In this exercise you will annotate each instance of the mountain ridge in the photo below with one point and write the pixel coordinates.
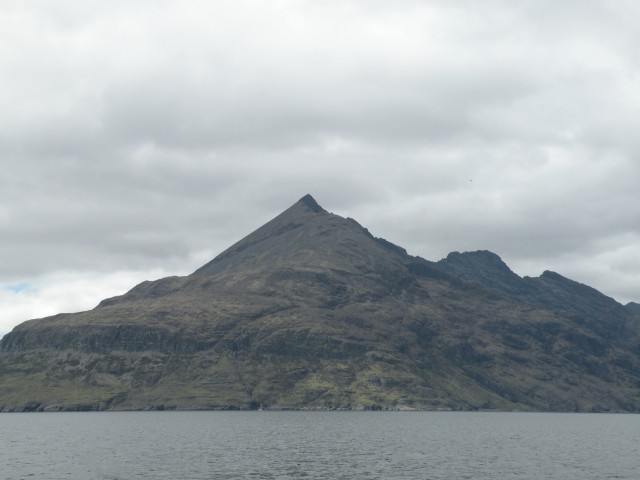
(312, 311)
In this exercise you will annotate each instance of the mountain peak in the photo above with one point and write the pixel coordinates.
(305, 237)
(311, 203)
(633, 308)
(483, 267)
(479, 259)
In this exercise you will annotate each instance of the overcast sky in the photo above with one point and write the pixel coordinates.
(138, 139)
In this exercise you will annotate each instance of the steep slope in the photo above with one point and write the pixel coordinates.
(312, 311)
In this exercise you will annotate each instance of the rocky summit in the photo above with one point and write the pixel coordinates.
(311, 311)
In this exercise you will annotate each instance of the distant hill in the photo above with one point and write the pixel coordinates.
(312, 311)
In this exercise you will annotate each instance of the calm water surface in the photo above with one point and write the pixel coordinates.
(319, 445)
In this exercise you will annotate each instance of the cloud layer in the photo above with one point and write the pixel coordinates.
(145, 137)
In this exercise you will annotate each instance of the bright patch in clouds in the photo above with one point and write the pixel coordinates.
(63, 292)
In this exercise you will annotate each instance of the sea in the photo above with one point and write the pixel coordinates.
(319, 445)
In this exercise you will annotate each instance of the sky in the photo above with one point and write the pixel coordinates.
(139, 139)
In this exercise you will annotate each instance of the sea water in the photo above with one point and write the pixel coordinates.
(319, 445)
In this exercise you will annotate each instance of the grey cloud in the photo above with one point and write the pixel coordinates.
(135, 137)
(379, 107)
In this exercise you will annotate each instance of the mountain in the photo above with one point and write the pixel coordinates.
(312, 311)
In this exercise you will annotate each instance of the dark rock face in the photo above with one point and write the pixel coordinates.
(485, 268)
(312, 311)
(633, 308)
